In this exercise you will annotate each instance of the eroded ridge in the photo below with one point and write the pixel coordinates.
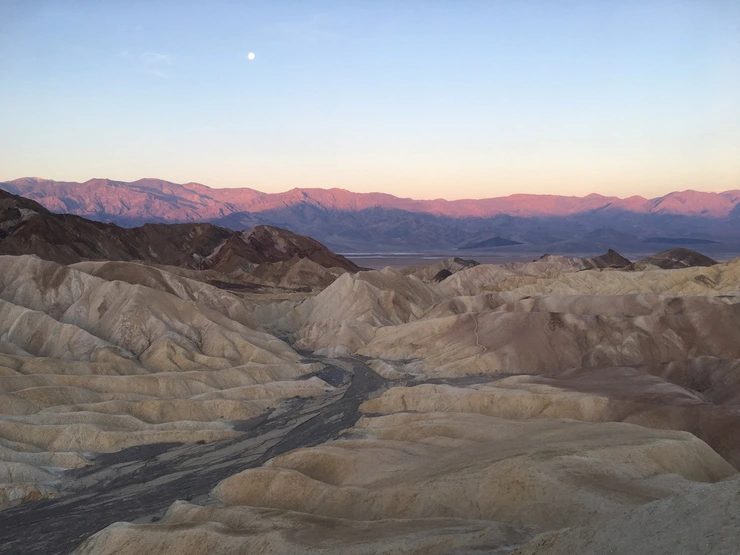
(558, 405)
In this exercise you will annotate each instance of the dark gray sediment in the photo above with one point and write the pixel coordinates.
(140, 483)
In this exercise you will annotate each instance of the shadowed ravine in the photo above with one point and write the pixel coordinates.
(141, 482)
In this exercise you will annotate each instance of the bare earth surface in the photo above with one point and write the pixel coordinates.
(561, 405)
(141, 482)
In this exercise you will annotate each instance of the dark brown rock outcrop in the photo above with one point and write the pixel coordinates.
(674, 259)
(28, 228)
(610, 259)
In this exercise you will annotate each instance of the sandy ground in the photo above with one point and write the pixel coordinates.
(140, 483)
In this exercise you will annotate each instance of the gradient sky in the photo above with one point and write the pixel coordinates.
(455, 99)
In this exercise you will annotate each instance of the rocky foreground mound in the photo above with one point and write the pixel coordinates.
(89, 364)
(536, 407)
(562, 405)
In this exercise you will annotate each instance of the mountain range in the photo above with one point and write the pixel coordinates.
(188, 388)
(357, 222)
(261, 256)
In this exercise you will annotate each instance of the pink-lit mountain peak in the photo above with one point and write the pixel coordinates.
(692, 202)
(157, 199)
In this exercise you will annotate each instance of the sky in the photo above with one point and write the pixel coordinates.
(424, 99)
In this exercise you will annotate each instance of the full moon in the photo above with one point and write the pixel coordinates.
(250, 55)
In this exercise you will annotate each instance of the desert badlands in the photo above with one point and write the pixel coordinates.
(214, 392)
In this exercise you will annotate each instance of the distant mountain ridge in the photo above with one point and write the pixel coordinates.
(359, 221)
(150, 199)
(28, 228)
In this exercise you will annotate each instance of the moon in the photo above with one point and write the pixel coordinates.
(250, 56)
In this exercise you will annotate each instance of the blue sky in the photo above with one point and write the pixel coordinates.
(456, 99)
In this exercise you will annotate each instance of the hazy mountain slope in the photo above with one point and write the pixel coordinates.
(145, 200)
(29, 229)
(557, 403)
(375, 221)
(172, 201)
